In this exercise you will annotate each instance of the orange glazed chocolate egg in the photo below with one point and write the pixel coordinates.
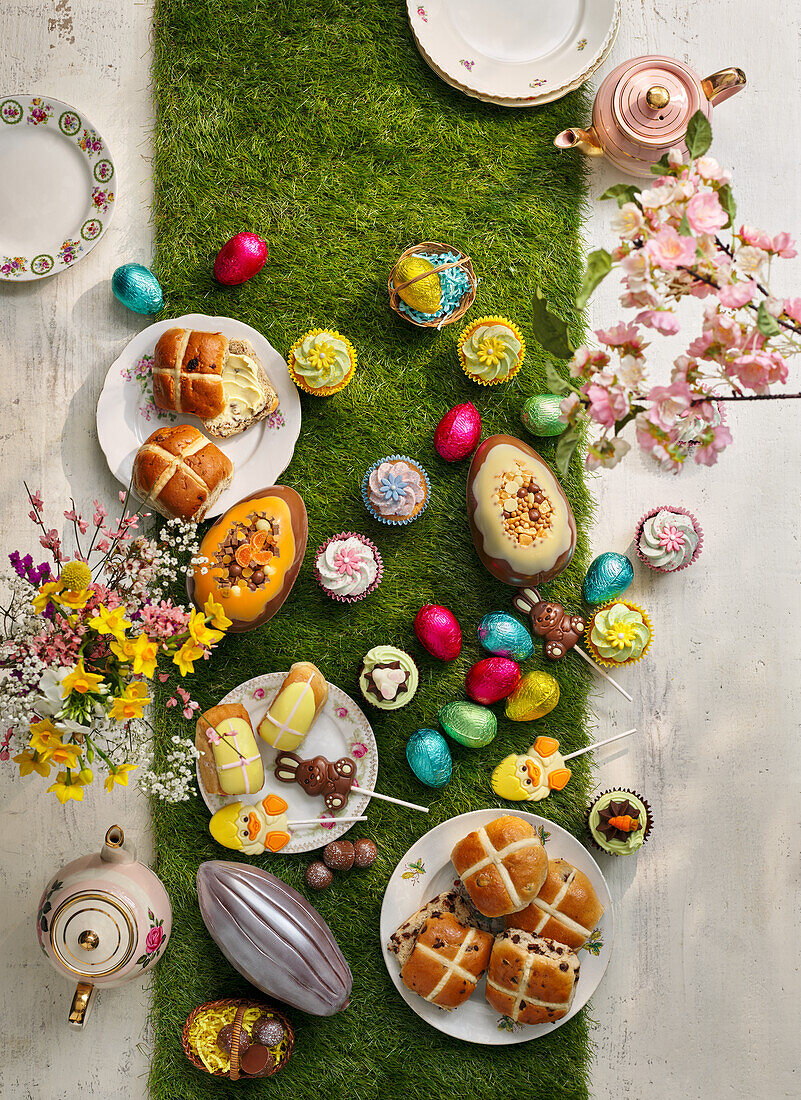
(250, 558)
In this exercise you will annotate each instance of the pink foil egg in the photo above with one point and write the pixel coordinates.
(458, 432)
(492, 679)
(439, 631)
(240, 259)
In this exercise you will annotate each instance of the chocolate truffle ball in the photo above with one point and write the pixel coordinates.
(318, 876)
(365, 852)
(226, 1037)
(268, 1031)
(339, 855)
(257, 1061)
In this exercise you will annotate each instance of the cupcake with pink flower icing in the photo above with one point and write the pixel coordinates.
(395, 490)
(348, 567)
(669, 539)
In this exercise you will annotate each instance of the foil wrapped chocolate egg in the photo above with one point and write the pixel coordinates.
(535, 696)
(541, 415)
(438, 630)
(492, 679)
(458, 432)
(240, 259)
(468, 723)
(608, 576)
(430, 758)
(137, 288)
(505, 636)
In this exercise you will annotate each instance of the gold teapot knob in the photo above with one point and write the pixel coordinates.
(657, 97)
(88, 940)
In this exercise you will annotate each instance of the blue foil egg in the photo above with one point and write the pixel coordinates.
(430, 758)
(609, 575)
(137, 288)
(505, 636)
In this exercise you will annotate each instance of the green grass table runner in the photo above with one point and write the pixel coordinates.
(317, 124)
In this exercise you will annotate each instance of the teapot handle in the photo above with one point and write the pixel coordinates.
(81, 1006)
(722, 85)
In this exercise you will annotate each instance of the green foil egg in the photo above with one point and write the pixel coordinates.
(541, 414)
(468, 723)
(430, 758)
(609, 575)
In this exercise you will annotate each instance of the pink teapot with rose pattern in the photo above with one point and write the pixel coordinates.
(103, 919)
(642, 109)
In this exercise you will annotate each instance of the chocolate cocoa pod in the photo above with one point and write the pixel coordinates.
(273, 937)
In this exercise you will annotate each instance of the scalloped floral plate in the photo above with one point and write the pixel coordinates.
(126, 414)
(514, 52)
(426, 870)
(58, 187)
(341, 730)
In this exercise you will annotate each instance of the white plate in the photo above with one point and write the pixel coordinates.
(341, 730)
(530, 101)
(57, 187)
(529, 51)
(126, 415)
(426, 870)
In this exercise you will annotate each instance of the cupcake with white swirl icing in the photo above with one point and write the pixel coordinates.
(668, 539)
(348, 567)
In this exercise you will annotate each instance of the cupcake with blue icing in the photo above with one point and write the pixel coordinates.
(668, 539)
(491, 350)
(395, 490)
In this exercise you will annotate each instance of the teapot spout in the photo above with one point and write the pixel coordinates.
(586, 141)
(114, 849)
(722, 85)
(81, 1004)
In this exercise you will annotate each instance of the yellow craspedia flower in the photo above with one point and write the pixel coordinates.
(76, 576)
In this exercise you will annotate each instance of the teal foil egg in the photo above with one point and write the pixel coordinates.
(609, 575)
(505, 636)
(541, 415)
(430, 758)
(137, 288)
(468, 723)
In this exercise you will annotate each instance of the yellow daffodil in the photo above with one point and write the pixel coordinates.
(74, 600)
(80, 680)
(29, 761)
(216, 612)
(63, 754)
(131, 703)
(47, 744)
(46, 594)
(118, 774)
(122, 649)
(69, 785)
(144, 652)
(199, 632)
(187, 655)
(110, 622)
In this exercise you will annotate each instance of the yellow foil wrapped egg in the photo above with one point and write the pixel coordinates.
(535, 696)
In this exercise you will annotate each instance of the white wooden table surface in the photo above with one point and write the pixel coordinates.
(702, 995)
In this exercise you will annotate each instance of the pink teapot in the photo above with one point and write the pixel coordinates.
(103, 919)
(642, 109)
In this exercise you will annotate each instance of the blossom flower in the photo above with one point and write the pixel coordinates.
(661, 195)
(709, 169)
(663, 320)
(607, 453)
(736, 295)
(705, 214)
(606, 405)
(784, 245)
(570, 407)
(619, 335)
(706, 454)
(792, 307)
(628, 222)
(759, 370)
(750, 259)
(668, 403)
(668, 250)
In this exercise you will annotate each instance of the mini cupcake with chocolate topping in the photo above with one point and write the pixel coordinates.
(388, 677)
(348, 567)
(668, 539)
(619, 822)
(395, 490)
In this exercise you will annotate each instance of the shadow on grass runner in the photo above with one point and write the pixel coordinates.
(318, 125)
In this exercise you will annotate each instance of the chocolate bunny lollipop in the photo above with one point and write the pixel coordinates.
(318, 776)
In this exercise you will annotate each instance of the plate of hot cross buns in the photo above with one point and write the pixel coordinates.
(199, 411)
(506, 927)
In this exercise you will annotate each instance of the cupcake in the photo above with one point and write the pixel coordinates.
(668, 539)
(348, 567)
(322, 362)
(491, 350)
(619, 633)
(388, 677)
(619, 822)
(396, 490)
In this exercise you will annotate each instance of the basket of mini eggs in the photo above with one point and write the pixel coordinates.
(238, 1039)
(432, 285)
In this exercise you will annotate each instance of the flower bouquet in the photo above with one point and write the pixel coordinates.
(81, 640)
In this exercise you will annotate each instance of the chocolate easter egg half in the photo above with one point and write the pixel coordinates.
(521, 521)
(251, 556)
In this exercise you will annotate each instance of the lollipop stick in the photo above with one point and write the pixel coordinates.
(386, 798)
(597, 744)
(601, 672)
(324, 821)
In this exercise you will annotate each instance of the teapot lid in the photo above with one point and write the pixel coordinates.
(654, 99)
(93, 934)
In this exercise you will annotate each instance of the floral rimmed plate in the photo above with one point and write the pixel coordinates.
(58, 187)
(341, 730)
(126, 415)
(426, 870)
(517, 53)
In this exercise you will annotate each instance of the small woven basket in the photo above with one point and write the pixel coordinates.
(434, 248)
(241, 1005)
